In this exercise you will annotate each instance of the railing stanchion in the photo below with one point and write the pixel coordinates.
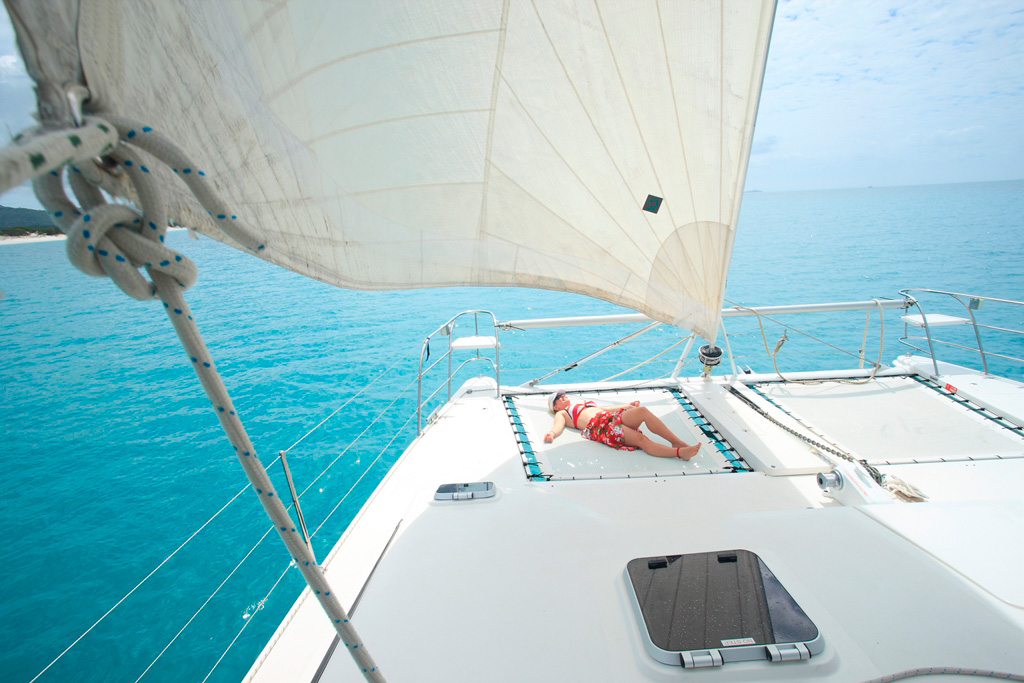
(295, 502)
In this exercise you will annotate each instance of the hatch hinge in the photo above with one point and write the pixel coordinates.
(699, 659)
(787, 653)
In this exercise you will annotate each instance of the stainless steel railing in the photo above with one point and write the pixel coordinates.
(475, 342)
(930, 321)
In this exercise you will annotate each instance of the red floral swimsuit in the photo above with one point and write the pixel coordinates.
(605, 427)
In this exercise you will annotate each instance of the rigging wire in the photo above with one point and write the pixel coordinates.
(271, 528)
(215, 515)
(649, 360)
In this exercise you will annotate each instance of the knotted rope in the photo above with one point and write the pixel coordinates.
(116, 240)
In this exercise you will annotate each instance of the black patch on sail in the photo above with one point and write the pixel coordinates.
(652, 204)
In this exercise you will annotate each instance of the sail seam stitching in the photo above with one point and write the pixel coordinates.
(590, 118)
(597, 200)
(632, 109)
(693, 269)
(675, 111)
(562, 256)
(411, 117)
(355, 55)
(498, 64)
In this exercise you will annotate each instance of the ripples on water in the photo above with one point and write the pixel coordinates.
(113, 457)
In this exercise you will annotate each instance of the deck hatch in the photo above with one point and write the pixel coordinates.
(716, 607)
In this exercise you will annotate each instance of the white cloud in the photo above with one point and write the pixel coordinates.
(903, 89)
(11, 68)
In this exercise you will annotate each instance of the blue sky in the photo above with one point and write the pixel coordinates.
(868, 92)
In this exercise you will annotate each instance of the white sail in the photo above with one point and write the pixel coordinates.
(404, 144)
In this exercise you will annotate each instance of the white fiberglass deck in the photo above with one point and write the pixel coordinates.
(530, 585)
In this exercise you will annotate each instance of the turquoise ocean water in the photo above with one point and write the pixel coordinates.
(111, 457)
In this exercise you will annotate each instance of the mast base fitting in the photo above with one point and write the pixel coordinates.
(710, 355)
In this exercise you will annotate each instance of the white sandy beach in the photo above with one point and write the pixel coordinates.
(28, 239)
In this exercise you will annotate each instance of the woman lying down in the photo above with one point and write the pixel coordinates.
(616, 426)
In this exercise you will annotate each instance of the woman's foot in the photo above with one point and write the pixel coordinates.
(687, 452)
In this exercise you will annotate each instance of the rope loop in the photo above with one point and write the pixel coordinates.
(159, 146)
(105, 240)
(35, 152)
(115, 240)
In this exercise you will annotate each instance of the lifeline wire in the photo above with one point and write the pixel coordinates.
(263, 538)
(274, 587)
(774, 354)
(342, 407)
(139, 584)
(365, 472)
(351, 443)
(203, 606)
(245, 625)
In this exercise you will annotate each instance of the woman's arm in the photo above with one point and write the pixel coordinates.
(557, 428)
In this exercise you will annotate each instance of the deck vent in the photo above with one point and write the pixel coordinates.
(476, 489)
(709, 609)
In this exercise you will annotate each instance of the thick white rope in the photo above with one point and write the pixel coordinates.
(115, 240)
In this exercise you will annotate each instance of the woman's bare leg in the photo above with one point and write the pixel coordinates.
(637, 440)
(634, 417)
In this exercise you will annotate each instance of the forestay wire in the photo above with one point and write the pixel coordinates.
(116, 240)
